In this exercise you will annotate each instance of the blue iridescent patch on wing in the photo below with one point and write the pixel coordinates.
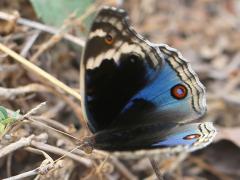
(158, 92)
(176, 139)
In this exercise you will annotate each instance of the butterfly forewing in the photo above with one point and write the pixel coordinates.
(116, 64)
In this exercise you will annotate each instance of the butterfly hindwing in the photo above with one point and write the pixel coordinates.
(159, 101)
(188, 137)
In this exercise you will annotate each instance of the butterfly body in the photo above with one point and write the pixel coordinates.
(136, 94)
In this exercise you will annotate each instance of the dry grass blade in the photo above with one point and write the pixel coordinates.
(30, 66)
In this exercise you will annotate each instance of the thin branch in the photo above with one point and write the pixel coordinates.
(44, 168)
(34, 110)
(23, 142)
(123, 169)
(9, 164)
(39, 123)
(53, 123)
(42, 27)
(43, 74)
(23, 175)
(156, 169)
(57, 37)
(55, 150)
(30, 41)
(12, 93)
(38, 151)
(8, 68)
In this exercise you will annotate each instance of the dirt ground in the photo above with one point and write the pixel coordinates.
(206, 32)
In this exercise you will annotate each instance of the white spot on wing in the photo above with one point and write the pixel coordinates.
(119, 26)
(118, 43)
(125, 48)
(98, 60)
(109, 54)
(90, 63)
(112, 21)
(97, 33)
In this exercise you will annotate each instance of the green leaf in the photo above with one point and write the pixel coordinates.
(5, 120)
(2, 128)
(3, 113)
(16, 114)
(54, 12)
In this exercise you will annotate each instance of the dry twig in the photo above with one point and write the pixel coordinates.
(54, 81)
(43, 27)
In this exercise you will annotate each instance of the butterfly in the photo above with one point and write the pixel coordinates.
(138, 95)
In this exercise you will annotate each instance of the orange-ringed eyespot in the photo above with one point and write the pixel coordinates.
(179, 91)
(108, 39)
(192, 136)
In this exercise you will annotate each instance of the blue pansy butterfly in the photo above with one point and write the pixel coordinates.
(138, 95)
